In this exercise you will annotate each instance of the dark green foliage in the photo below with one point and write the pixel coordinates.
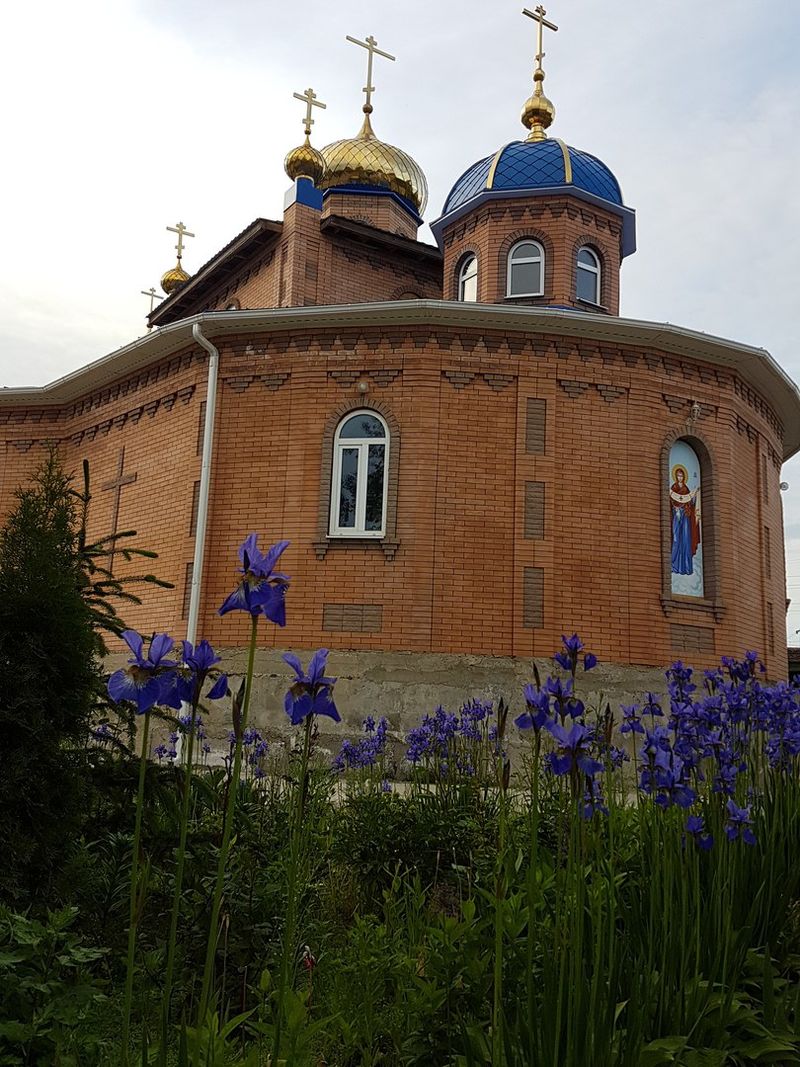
(47, 992)
(49, 677)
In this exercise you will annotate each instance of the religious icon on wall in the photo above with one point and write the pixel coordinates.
(685, 520)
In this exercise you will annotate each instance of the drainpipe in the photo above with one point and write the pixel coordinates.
(205, 482)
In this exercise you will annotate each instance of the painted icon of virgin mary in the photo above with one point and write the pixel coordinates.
(685, 522)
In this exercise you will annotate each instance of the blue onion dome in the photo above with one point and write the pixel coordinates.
(538, 166)
(524, 165)
(535, 168)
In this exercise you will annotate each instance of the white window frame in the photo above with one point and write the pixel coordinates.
(471, 262)
(595, 270)
(362, 444)
(512, 261)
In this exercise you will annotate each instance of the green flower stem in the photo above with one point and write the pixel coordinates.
(533, 870)
(132, 923)
(292, 904)
(176, 900)
(227, 831)
(498, 1057)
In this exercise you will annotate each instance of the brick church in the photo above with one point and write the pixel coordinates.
(469, 450)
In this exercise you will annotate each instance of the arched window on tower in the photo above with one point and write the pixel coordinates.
(526, 269)
(359, 482)
(588, 276)
(468, 279)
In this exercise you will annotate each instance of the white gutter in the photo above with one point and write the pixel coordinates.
(205, 482)
(755, 365)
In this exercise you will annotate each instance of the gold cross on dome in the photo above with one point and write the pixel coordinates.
(371, 46)
(310, 98)
(182, 232)
(538, 16)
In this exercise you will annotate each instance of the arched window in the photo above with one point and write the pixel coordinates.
(468, 279)
(686, 535)
(526, 269)
(588, 281)
(359, 483)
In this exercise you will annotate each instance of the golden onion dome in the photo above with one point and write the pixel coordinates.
(305, 161)
(174, 279)
(364, 160)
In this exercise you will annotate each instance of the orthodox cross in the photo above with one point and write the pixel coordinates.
(117, 484)
(182, 232)
(151, 292)
(538, 16)
(310, 98)
(371, 46)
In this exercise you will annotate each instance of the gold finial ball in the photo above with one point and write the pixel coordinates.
(538, 111)
(174, 279)
(305, 161)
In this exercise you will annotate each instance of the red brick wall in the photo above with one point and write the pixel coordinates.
(457, 582)
(308, 266)
(561, 224)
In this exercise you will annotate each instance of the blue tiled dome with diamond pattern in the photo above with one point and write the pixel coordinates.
(535, 165)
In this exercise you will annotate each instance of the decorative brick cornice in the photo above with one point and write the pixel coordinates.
(498, 382)
(573, 388)
(275, 380)
(459, 379)
(676, 404)
(610, 393)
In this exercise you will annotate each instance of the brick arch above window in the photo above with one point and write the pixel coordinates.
(389, 542)
(526, 233)
(711, 604)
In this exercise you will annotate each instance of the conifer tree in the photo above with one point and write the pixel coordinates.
(49, 676)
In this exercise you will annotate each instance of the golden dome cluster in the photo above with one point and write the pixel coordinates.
(363, 160)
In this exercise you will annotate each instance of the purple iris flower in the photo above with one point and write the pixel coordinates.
(631, 722)
(262, 590)
(185, 685)
(538, 713)
(311, 694)
(568, 657)
(695, 825)
(147, 678)
(739, 824)
(573, 754)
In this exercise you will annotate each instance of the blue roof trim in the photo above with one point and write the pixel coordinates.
(308, 194)
(626, 214)
(376, 190)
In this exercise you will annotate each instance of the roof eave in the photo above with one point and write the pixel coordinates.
(755, 365)
(626, 214)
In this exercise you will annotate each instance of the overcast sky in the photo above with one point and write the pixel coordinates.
(122, 116)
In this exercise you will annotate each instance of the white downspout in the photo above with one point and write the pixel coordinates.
(202, 501)
(205, 483)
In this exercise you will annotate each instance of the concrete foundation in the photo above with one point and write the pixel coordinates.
(404, 686)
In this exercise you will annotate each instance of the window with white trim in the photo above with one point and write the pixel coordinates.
(588, 276)
(468, 279)
(525, 269)
(359, 477)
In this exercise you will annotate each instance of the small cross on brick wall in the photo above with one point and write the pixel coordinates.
(117, 484)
